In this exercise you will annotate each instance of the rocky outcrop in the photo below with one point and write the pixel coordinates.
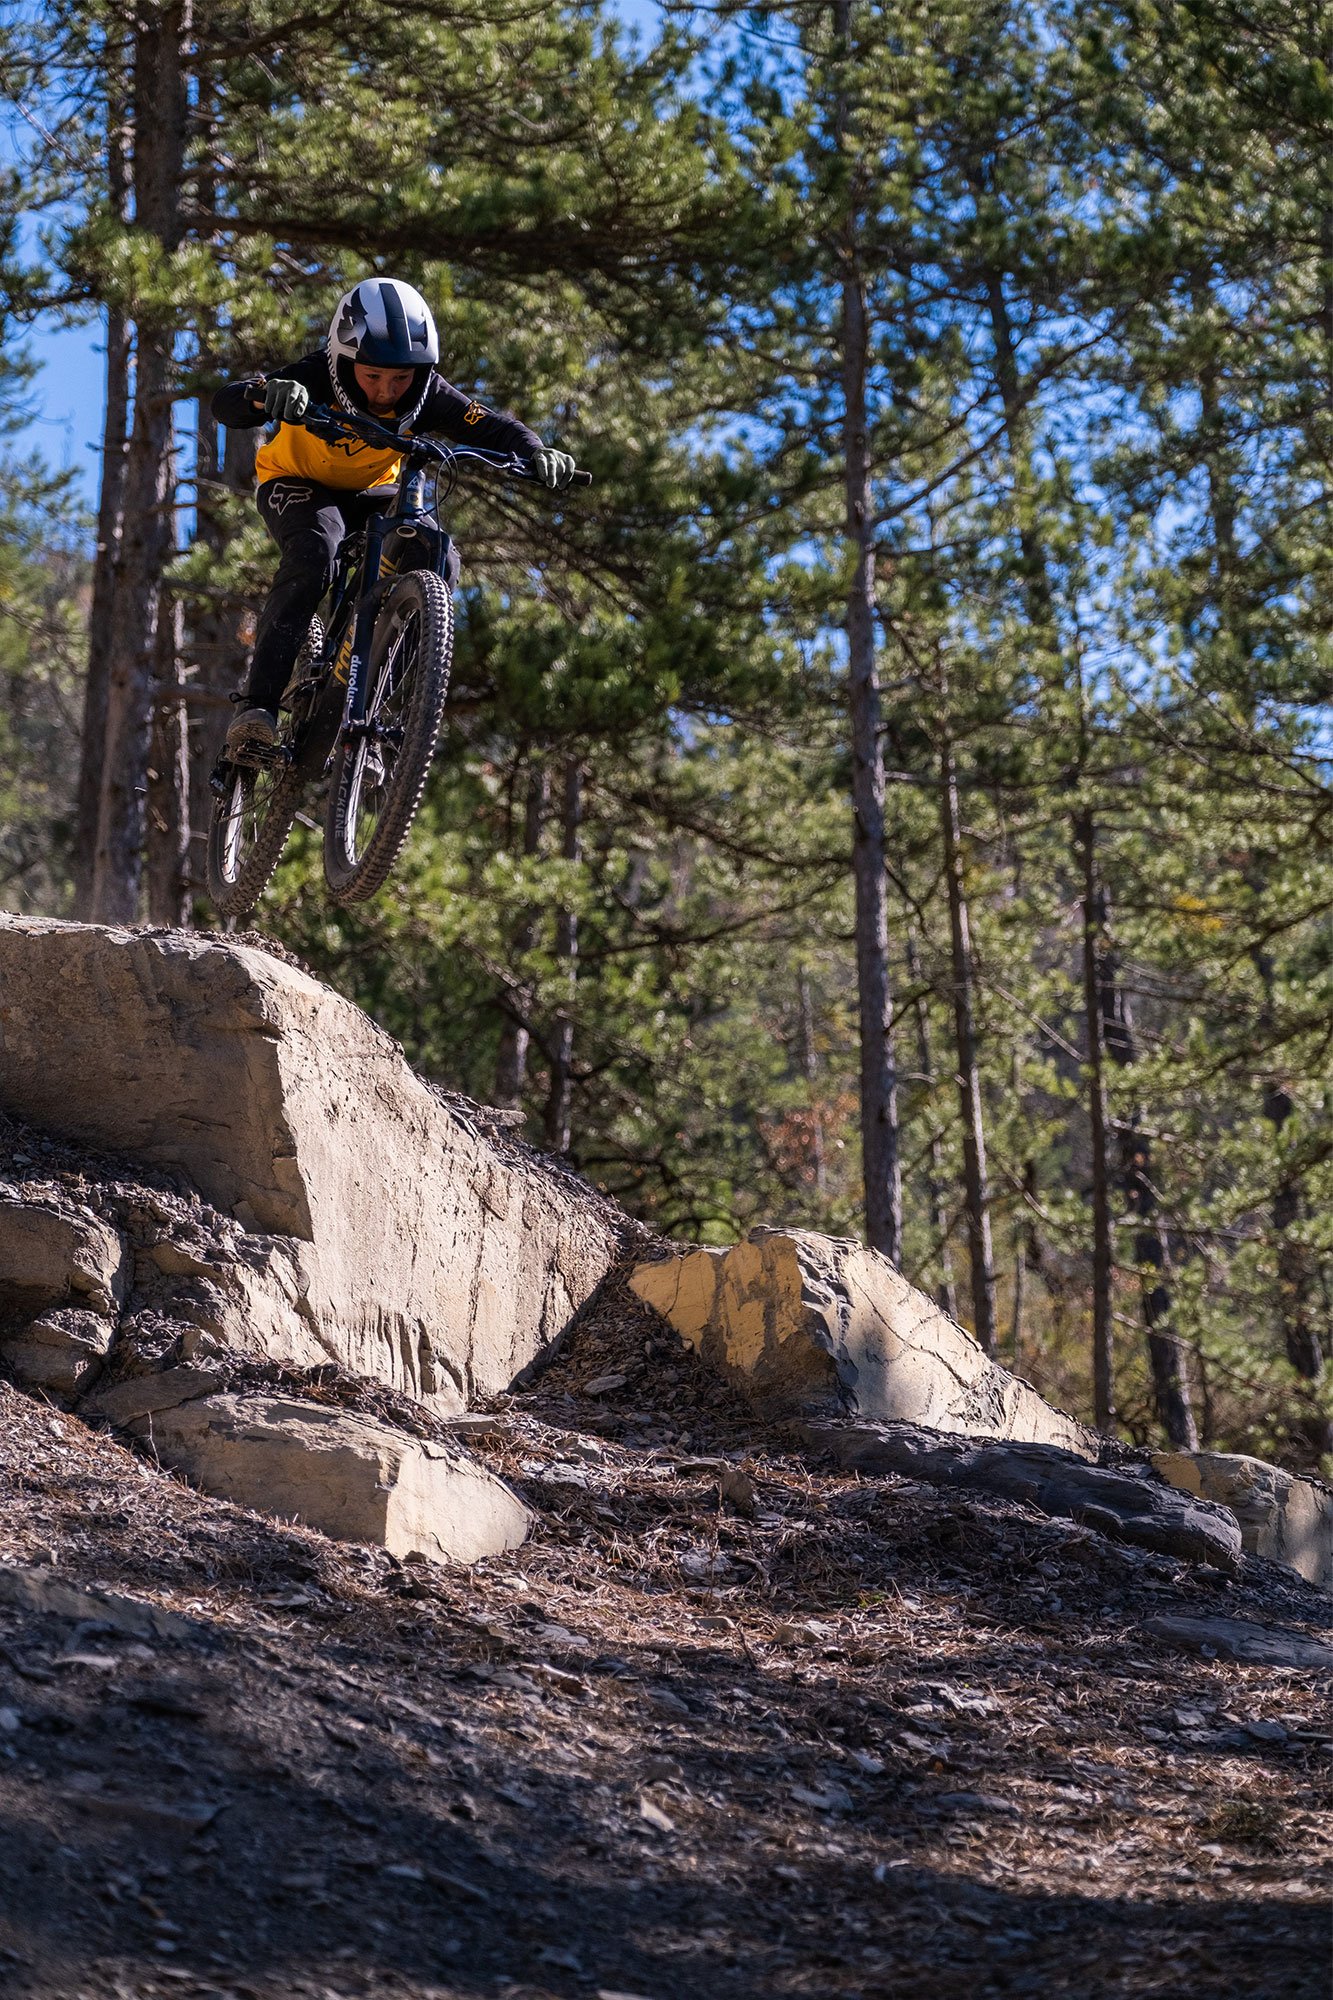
(62, 1351)
(54, 1253)
(354, 1478)
(1284, 1518)
(1238, 1639)
(813, 1326)
(55, 1596)
(379, 1226)
(64, 1274)
(1127, 1504)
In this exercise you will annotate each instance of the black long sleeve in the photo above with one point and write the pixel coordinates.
(446, 411)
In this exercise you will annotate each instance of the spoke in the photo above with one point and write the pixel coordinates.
(376, 752)
(247, 807)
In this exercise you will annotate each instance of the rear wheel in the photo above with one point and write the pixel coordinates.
(254, 815)
(379, 772)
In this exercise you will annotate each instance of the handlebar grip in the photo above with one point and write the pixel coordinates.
(580, 479)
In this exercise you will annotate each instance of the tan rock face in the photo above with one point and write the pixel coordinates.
(63, 1351)
(1284, 1518)
(249, 1292)
(413, 1251)
(52, 1253)
(816, 1326)
(355, 1479)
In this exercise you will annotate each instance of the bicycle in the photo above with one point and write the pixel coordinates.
(365, 702)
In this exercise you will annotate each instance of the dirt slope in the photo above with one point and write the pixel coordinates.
(834, 1739)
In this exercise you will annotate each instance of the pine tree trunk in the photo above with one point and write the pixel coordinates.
(976, 1185)
(881, 1166)
(939, 1220)
(1171, 1391)
(805, 1015)
(511, 1062)
(1297, 1310)
(1027, 1254)
(558, 1122)
(159, 110)
(1152, 1255)
(206, 623)
(1103, 1259)
(102, 610)
(1295, 1275)
(168, 799)
(1040, 603)
(1019, 1311)
(215, 643)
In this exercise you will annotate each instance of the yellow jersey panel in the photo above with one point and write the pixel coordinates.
(296, 453)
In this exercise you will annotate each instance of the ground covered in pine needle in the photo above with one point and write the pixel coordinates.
(726, 1726)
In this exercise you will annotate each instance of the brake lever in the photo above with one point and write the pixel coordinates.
(576, 478)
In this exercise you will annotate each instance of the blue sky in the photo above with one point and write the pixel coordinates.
(67, 394)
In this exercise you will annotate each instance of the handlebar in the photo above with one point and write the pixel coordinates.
(319, 417)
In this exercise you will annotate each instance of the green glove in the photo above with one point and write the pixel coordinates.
(553, 468)
(287, 401)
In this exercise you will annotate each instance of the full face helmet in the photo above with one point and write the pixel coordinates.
(385, 324)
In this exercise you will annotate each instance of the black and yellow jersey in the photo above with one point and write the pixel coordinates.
(294, 452)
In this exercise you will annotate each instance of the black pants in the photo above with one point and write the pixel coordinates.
(307, 522)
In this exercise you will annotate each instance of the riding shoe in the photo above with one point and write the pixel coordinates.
(253, 729)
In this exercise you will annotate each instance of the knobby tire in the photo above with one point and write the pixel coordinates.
(417, 612)
(236, 881)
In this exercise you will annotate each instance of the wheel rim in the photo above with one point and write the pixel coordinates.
(371, 779)
(246, 808)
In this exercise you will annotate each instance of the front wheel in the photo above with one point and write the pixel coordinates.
(380, 766)
(249, 829)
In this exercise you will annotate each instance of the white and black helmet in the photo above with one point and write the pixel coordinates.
(385, 324)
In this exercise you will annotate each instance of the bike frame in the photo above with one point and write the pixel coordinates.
(406, 528)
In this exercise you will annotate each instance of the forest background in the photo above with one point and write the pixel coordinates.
(896, 799)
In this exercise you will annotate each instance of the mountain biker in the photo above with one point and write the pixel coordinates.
(380, 361)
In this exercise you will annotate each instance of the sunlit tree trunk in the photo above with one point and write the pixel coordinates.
(158, 97)
(1298, 1304)
(1103, 1258)
(805, 1015)
(167, 831)
(970, 1110)
(101, 611)
(1152, 1256)
(939, 1217)
(881, 1165)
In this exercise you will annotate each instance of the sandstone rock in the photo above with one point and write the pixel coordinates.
(1129, 1507)
(141, 1396)
(1284, 1518)
(52, 1252)
(815, 1325)
(249, 1291)
(425, 1254)
(1237, 1639)
(352, 1477)
(62, 1351)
